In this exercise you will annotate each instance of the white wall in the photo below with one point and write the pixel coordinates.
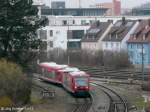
(59, 37)
(116, 46)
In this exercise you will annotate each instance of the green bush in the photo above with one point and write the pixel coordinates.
(13, 83)
(5, 102)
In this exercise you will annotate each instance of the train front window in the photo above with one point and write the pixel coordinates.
(81, 81)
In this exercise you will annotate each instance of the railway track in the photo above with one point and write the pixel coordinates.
(82, 104)
(111, 73)
(117, 103)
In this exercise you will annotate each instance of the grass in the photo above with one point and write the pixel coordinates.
(139, 102)
(5, 102)
(36, 100)
(147, 105)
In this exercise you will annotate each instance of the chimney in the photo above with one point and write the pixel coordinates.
(110, 21)
(149, 22)
(116, 36)
(144, 36)
(97, 23)
(123, 20)
(139, 20)
(110, 36)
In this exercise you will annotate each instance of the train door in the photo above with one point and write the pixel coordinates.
(58, 76)
(51, 74)
(67, 82)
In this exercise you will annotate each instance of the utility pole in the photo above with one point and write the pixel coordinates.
(142, 63)
(68, 58)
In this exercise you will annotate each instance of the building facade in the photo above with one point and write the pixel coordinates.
(142, 10)
(63, 29)
(139, 44)
(117, 37)
(92, 40)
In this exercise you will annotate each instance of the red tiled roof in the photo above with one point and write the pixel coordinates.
(142, 33)
(119, 30)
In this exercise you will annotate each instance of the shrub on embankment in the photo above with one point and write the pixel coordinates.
(87, 57)
(14, 85)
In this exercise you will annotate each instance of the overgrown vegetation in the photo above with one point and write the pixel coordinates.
(87, 58)
(15, 87)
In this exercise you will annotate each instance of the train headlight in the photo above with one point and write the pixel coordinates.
(75, 87)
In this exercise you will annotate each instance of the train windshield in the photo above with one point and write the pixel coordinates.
(81, 81)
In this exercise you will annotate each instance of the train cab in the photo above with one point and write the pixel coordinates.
(81, 81)
(75, 81)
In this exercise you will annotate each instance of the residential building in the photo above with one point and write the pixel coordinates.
(64, 29)
(92, 40)
(116, 38)
(139, 44)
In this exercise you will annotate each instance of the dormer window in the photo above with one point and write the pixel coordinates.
(110, 36)
(116, 36)
(147, 26)
(144, 36)
(134, 36)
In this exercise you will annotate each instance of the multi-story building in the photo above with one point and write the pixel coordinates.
(116, 7)
(92, 40)
(117, 37)
(63, 35)
(139, 44)
(142, 10)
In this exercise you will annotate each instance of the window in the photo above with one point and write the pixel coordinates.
(112, 44)
(73, 21)
(106, 44)
(131, 54)
(83, 22)
(131, 46)
(81, 81)
(51, 43)
(117, 44)
(43, 34)
(51, 33)
(64, 22)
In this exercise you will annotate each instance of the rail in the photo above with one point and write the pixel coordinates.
(117, 103)
(82, 104)
(123, 74)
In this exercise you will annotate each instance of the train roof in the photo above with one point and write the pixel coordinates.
(48, 64)
(79, 73)
(70, 69)
(53, 65)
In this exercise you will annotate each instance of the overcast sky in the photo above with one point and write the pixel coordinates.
(128, 3)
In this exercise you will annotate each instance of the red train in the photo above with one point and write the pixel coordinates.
(72, 79)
